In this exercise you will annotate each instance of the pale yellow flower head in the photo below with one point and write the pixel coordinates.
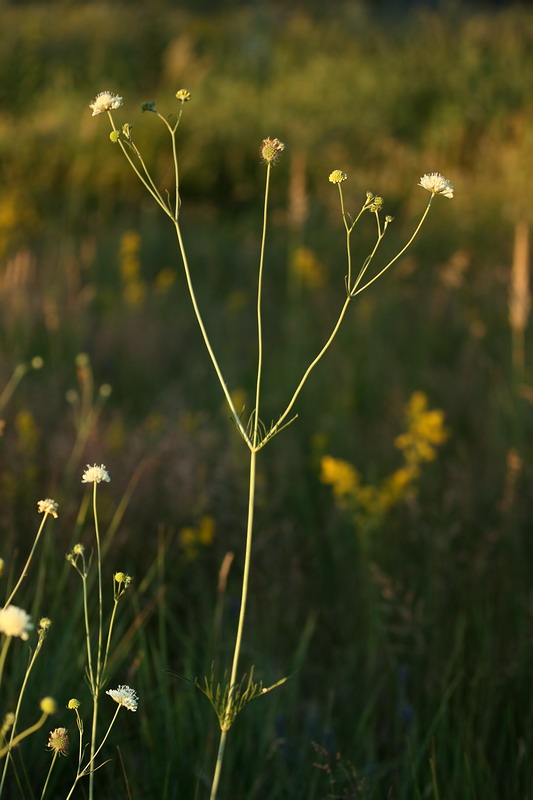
(48, 506)
(124, 696)
(183, 95)
(105, 101)
(436, 183)
(337, 176)
(73, 703)
(14, 621)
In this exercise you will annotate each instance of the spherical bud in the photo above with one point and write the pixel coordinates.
(73, 703)
(48, 705)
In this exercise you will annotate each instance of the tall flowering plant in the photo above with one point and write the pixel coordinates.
(229, 700)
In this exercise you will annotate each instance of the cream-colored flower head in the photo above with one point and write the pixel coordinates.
(95, 474)
(14, 621)
(436, 183)
(124, 696)
(58, 741)
(105, 101)
(48, 506)
(337, 176)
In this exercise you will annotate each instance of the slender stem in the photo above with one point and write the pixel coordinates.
(54, 757)
(28, 561)
(81, 773)
(14, 742)
(109, 632)
(16, 377)
(307, 372)
(397, 256)
(14, 739)
(259, 317)
(96, 686)
(87, 631)
(242, 614)
(149, 184)
(206, 338)
(3, 654)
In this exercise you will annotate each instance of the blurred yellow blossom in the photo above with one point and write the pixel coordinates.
(425, 432)
(192, 539)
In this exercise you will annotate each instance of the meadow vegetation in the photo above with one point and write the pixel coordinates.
(391, 574)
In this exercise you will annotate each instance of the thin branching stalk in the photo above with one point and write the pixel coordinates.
(89, 767)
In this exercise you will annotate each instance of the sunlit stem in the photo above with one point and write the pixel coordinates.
(109, 632)
(13, 740)
(90, 764)
(87, 630)
(251, 498)
(3, 654)
(148, 183)
(206, 338)
(97, 682)
(397, 256)
(18, 373)
(28, 561)
(172, 130)
(259, 315)
(54, 757)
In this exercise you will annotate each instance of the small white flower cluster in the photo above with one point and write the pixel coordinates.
(436, 183)
(14, 621)
(105, 101)
(95, 474)
(124, 696)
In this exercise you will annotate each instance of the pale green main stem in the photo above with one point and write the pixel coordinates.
(251, 499)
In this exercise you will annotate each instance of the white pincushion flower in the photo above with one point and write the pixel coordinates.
(436, 183)
(48, 506)
(95, 474)
(14, 621)
(105, 101)
(124, 696)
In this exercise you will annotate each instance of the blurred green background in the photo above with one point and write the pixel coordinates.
(409, 640)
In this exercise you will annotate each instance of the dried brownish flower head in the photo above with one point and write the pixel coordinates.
(270, 150)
